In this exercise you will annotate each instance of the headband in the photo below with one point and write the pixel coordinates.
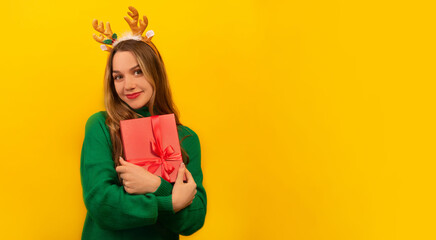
(109, 40)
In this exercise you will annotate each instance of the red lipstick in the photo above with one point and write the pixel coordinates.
(132, 96)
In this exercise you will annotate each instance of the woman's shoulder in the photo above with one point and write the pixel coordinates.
(96, 120)
(188, 138)
(185, 131)
(189, 141)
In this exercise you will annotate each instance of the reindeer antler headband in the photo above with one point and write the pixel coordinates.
(110, 40)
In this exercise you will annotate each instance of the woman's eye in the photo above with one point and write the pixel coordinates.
(117, 77)
(138, 71)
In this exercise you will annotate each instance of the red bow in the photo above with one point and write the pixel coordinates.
(168, 154)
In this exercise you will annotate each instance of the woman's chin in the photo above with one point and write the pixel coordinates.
(135, 104)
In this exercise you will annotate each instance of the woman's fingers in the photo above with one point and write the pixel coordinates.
(120, 169)
(189, 176)
(181, 173)
(123, 176)
(121, 161)
(125, 163)
(125, 166)
(123, 171)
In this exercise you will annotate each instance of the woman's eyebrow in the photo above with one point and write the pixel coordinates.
(116, 71)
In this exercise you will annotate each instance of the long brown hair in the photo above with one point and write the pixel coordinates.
(161, 101)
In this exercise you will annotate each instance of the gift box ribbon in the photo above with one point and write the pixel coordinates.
(164, 155)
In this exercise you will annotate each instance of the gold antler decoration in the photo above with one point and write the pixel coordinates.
(133, 23)
(108, 39)
(111, 37)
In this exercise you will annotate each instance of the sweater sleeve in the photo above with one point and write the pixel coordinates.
(105, 199)
(165, 188)
(190, 219)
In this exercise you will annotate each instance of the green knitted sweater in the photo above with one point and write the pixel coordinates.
(115, 214)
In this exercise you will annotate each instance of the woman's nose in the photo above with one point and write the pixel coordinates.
(130, 83)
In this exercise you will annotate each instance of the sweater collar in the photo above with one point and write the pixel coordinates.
(144, 111)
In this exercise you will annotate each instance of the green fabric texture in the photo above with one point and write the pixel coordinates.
(112, 213)
(107, 41)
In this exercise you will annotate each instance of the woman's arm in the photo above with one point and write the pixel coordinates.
(190, 219)
(165, 188)
(107, 202)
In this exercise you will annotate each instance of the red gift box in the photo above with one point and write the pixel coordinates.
(153, 143)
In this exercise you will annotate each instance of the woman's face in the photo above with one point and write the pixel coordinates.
(129, 80)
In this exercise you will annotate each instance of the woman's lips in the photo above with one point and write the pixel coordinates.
(132, 96)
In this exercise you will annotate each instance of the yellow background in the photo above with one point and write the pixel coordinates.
(316, 118)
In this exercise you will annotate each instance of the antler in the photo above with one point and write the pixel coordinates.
(134, 23)
(108, 33)
(112, 38)
(99, 27)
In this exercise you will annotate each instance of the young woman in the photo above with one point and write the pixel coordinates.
(125, 201)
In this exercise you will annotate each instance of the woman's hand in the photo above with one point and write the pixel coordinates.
(137, 180)
(183, 193)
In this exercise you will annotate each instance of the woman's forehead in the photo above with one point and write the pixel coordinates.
(124, 61)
